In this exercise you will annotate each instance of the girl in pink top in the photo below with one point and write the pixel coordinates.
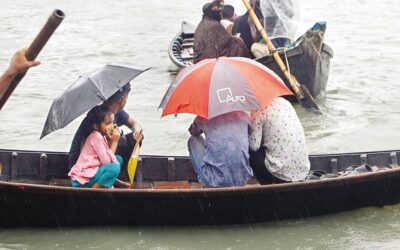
(97, 166)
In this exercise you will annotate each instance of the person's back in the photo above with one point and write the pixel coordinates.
(244, 26)
(278, 139)
(211, 39)
(226, 157)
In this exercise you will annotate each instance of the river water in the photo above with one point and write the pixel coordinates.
(361, 111)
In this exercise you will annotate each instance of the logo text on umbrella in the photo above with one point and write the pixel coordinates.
(225, 96)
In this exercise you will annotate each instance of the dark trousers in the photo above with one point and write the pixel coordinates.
(257, 163)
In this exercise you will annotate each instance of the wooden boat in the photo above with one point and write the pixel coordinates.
(308, 59)
(35, 191)
(181, 48)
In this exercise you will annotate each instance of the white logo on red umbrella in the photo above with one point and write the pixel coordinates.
(225, 96)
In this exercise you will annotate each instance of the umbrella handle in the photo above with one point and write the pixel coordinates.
(36, 46)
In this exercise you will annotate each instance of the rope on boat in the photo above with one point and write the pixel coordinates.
(286, 58)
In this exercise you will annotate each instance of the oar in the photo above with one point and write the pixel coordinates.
(36, 46)
(301, 92)
(133, 161)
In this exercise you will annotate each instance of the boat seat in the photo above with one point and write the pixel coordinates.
(188, 40)
(187, 45)
(186, 56)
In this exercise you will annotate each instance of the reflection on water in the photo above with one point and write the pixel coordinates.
(361, 110)
(368, 228)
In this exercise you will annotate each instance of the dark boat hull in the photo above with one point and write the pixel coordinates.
(308, 60)
(23, 204)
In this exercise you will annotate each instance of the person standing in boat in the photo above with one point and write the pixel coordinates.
(97, 165)
(279, 21)
(19, 64)
(221, 158)
(117, 103)
(278, 150)
(212, 40)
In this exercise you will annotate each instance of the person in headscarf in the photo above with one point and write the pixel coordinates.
(212, 40)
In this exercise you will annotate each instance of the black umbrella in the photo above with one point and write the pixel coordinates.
(87, 92)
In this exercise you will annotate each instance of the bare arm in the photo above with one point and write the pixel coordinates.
(136, 128)
(18, 64)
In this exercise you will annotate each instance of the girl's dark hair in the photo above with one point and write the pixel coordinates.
(98, 113)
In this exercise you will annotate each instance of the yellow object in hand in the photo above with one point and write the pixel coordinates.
(133, 161)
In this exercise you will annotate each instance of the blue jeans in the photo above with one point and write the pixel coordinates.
(196, 146)
(106, 175)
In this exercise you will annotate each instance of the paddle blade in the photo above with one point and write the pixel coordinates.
(309, 101)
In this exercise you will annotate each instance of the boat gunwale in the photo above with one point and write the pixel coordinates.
(248, 189)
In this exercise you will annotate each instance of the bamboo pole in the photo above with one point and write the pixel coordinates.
(301, 92)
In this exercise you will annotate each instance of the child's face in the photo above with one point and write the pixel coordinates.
(107, 125)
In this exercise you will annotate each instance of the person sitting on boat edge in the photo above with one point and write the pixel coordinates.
(212, 40)
(126, 143)
(221, 159)
(227, 14)
(278, 150)
(19, 64)
(97, 166)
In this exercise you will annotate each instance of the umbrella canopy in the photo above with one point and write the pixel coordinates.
(220, 85)
(87, 92)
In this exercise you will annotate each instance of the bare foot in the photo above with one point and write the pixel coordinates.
(121, 184)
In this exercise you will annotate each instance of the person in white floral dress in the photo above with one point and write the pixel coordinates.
(278, 150)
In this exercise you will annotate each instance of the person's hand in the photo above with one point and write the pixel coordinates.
(138, 132)
(114, 134)
(19, 63)
(138, 135)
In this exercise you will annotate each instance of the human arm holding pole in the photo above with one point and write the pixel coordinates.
(26, 57)
(18, 65)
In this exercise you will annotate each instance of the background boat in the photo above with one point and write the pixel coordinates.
(308, 59)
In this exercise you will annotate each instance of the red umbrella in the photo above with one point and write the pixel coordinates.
(220, 85)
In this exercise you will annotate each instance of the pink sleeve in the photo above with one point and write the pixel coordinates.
(101, 149)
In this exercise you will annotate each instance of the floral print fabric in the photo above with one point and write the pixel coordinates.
(278, 130)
